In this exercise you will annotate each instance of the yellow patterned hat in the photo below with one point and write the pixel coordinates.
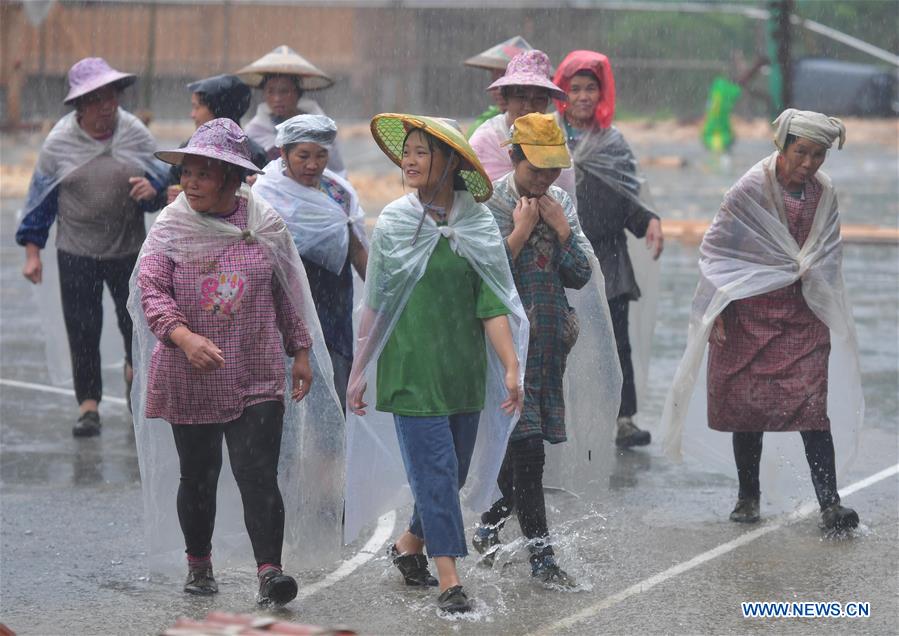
(390, 130)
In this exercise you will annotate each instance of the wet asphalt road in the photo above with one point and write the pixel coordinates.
(72, 558)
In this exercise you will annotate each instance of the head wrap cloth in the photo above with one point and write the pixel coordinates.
(809, 125)
(316, 129)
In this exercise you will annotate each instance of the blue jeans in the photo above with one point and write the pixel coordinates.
(437, 453)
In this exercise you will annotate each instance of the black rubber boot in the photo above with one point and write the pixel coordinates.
(746, 510)
(838, 517)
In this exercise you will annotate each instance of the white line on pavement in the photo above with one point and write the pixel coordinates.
(54, 389)
(649, 583)
(369, 550)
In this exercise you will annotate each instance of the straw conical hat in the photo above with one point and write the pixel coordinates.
(497, 57)
(390, 129)
(283, 60)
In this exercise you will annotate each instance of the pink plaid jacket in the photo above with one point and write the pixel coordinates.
(234, 299)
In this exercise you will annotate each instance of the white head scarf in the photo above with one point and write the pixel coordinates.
(809, 125)
(316, 129)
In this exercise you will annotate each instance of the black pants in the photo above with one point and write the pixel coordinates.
(818, 451)
(254, 444)
(619, 308)
(81, 281)
(521, 484)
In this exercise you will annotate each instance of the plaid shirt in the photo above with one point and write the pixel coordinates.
(543, 269)
(235, 300)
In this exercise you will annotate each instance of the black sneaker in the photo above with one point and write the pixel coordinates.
(547, 571)
(629, 435)
(837, 517)
(413, 567)
(200, 581)
(746, 510)
(275, 587)
(453, 601)
(88, 425)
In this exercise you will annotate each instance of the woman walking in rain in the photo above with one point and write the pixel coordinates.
(222, 299)
(525, 88)
(548, 253)
(608, 203)
(322, 211)
(97, 177)
(495, 60)
(284, 77)
(772, 307)
(438, 281)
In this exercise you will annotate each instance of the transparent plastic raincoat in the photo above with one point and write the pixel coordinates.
(67, 148)
(748, 251)
(592, 381)
(310, 472)
(604, 154)
(376, 478)
(317, 222)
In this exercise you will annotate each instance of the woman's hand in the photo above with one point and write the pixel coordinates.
(515, 400)
(654, 238)
(301, 375)
(553, 215)
(33, 269)
(526, 214)
(718, 336)
(141, 190)
(354, 399)
(201, 352)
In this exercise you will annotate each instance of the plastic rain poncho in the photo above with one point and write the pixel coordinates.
(319, 225)
(603, 153)
(67, 148)
(376, 479)
(261, 129)
(592, 382)
(310, 470)
(748, 251)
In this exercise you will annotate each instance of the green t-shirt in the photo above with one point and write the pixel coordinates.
(435, 362)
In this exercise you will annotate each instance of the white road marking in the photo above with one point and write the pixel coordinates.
(649, 583)
(372, 547)
(55, 389)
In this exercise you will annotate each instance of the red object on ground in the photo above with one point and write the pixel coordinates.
(224, 624)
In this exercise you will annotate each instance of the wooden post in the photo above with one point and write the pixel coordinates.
(780, 80)
(11, 71)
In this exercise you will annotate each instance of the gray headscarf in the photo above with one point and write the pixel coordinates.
(809, 125)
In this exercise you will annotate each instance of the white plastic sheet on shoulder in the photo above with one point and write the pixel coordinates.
(310, 470)
(376, 479)
(605, 154)
(66, 149)
(592, 383)
(317, 222)
(747, 251)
